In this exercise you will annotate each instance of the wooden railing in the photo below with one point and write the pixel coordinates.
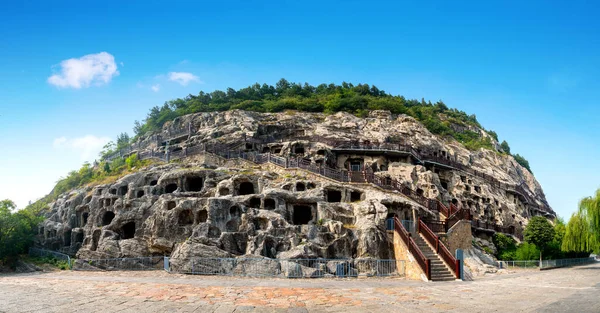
(413, 248)
(436, 226)
(444, 210)
(440, 248)
(391, 145)
(341, 175)
(462, 214)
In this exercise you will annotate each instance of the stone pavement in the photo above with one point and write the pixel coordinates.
(561, 290)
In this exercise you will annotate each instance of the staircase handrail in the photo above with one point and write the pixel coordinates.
(440, 248)
(413, 248)
(461, 214)
(443, 209)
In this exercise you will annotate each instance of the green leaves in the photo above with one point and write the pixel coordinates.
(16, 231)
(582, 233)
(521, 160)
(539, 232)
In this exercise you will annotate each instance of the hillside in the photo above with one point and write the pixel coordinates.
(285, 185)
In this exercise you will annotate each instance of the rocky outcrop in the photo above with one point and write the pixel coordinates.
(205, 206)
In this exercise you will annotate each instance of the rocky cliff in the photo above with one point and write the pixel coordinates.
(206, 206)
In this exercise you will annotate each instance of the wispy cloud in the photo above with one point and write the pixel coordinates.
(155, 88)
(87, 147)
(183, 78)
(89, 69)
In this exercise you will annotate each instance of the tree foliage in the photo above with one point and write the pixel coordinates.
(505, 147)
(17, 230)
(582, 233)
(329, 98)
(521, 160)
(527, 251)
(539, 232)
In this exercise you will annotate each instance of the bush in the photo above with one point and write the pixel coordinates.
(505, 247)
(527, 251)
(521, 160)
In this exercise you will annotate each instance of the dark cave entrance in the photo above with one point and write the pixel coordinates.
(302, 215)
(246, 188)
(170, 188)
(334, 195)
(194, 184)
(128, 230)
(107, 218)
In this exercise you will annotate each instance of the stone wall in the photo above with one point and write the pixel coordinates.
(411, 267)
(459, 236)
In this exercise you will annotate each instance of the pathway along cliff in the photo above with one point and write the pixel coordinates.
(205, 205)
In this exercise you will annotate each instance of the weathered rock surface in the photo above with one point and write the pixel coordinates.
(209, 208)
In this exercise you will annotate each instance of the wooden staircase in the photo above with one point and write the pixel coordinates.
(439, 271)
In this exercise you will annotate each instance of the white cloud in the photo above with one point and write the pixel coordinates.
(155, 88)
(97, 68)
(88, 146)
(183, 78)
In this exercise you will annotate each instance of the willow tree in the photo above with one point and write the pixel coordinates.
(583, 230)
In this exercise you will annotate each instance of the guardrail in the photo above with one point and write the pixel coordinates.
(413, 248)
(340, 175)
(420, 156)
(545, 264)
(289, 268)
(36, 252)
(440, 248)
(120, 264)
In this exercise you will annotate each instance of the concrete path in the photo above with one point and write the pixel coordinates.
(561, 290)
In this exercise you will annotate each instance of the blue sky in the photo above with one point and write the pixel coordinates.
(527, 70)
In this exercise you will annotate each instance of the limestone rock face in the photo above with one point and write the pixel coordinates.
(188, 212)
(205, 206)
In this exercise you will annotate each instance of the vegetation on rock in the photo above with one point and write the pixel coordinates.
(359, 100)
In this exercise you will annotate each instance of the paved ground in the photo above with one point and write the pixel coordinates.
(561, 290)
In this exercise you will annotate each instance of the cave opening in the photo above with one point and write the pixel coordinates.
(299, 149)
(84, 218)
(355, 196)
(113, 191)
(186, 217)
(300, 187)
(67, 238)
(123, 190)
(153, 182)
(235, 211)
(128, 230)
(201, 216)
(302, 215)
(246, 188)
(170, 188)
(254, 203)
(171, 205)
(269, 204)
(334, 195)
(79, 237)
(107, 218)
(194, 184)
(140, 193)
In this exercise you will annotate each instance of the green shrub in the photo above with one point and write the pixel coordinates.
(522, 161)
(505, 246)
(527, 251)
